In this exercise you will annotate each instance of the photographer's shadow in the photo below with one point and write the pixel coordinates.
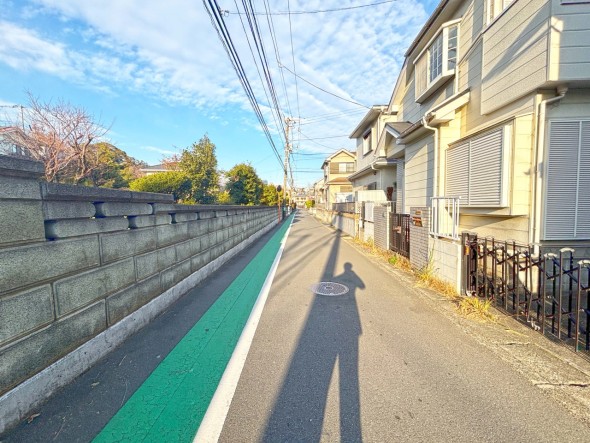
(328, 347)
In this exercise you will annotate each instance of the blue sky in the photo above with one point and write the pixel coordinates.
(156, 73)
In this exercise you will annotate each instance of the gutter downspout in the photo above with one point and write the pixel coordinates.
(435, 159)
(539, 157)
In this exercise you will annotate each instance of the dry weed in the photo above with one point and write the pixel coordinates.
(476, 308)
(471, 307)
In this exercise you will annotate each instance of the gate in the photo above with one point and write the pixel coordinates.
(399, 235)
(550, 292)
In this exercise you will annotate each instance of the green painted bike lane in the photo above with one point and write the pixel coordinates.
(171, 402)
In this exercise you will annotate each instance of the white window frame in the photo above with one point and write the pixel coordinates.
(495, 8)
(424, 82)
(343, 169)
(475, 190)
(367, 142)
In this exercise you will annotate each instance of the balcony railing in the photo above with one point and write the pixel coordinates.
(445, 217)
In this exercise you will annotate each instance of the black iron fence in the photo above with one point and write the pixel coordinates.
(549, 291)
(399, 236)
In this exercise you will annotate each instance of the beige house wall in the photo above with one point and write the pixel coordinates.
(332, 189)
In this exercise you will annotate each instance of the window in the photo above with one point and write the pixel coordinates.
(476, 169)
(367, 142)
(567, 201)
(436, 57)
(341, 168)
(437, 62)
(495, 8)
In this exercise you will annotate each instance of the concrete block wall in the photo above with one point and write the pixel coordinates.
(368, 231)
(446, 260)
(344, 222)
(75, 260)
(381, 229)
(419, 236)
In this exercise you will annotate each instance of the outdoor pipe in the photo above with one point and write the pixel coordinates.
(539, 158)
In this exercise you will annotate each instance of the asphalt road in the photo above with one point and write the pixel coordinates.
(380, 363)
(376, 364)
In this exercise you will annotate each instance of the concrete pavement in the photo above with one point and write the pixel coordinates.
(382, 362)
(378, 363)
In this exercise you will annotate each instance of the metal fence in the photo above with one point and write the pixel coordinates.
(347, 207)
(548, 291)
(399, 236)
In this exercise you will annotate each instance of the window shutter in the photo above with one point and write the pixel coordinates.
(421, 75)
(561, 181)
(475, 170)
(485, 169)
(458, 172)
(583, 212)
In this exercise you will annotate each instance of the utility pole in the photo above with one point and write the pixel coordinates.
(290, 123)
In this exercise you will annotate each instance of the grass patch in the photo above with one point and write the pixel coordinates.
(477, 308)
(470, 307)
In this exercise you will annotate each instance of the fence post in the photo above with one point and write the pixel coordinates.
(582, 264)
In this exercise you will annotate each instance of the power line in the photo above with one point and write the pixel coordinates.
(255, 31)
(271, 28)
(334, 113)
(216, 17)
(323, 90)
(258, 70)
(314, 142)
(333, 136)
(319, 11)
(294, 73)
(314, 153)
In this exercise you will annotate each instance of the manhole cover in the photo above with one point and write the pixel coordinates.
(329, 288)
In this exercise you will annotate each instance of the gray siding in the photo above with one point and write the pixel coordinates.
(419, 173)
(515, 54)
(570, 42)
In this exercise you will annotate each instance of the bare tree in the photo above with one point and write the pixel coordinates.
(61, 136)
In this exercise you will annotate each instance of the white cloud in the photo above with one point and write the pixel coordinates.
(158, 150)
(170, 50)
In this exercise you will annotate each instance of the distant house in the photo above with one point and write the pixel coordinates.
(298, 196)
(150, 170)
(376, 167)
(337, 188)
(7, 143)
(318, 193)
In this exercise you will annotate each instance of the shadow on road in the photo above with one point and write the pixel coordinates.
(327, 351)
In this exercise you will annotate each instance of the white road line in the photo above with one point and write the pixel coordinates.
(214, 419)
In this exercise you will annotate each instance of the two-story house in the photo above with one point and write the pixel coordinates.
(377, 169)
(337, 188)
(498, 94)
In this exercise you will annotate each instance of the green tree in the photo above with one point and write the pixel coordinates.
(244, 185)
(111, 167)
(199, 163)
(270, 196)
(223, 198)
(171, 182)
